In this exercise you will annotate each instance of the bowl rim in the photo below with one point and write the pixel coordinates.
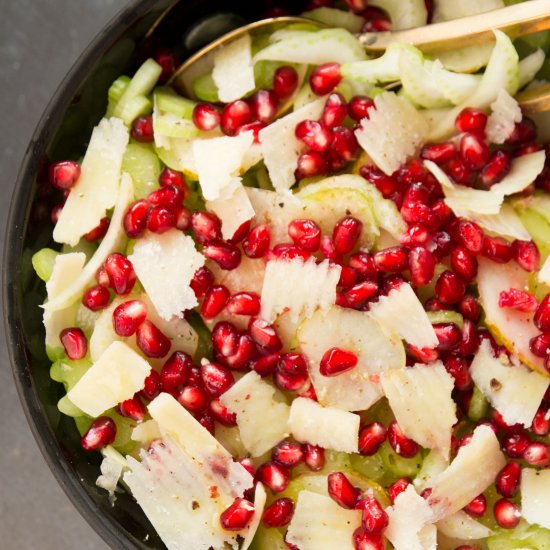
(103, 524)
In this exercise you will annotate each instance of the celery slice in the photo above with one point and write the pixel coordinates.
(143, 81)
(168, 101)
(129, 110)
(141, 162)
(205, 88)
(43, 262)
(116, 91)
(479, 405)
(445, 316)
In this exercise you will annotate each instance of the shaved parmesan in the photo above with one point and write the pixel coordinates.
(260, 498)
(410, 522)
(112, 242)
(393, 132)
(318, 522)
(146, 432)
(513, 390)
(280, 146)
(248, 276)
(464, 527)
(298, 286)
(420, 398)
(262, 420)
(544, 273)
(218, 161)
(116, 376)
(535, 496)
(355, 331)
(469, 474)
(506, 223)
(165, 265)
(327, 427)
(523, 172)
(112, 466)
(505, 113)
(233, 72)
(233, 210)
(401, 313)
(97, 187)
(446, 10)
(66, 268)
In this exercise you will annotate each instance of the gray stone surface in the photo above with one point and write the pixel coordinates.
(39, 41)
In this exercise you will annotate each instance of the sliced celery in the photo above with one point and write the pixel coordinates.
(143, 81)
(268, 539)
(129, 110)
(67, 407)
(446, 317)
(205, 88)
(43, 262)
(522, 537)
(83, 246)
(264, 72)
(168, 101)
(141, 162)
(54, 354)
(396, 466)
(478, 407)
(116, 91)
(538, 227)
(174, 126)
(69, 372)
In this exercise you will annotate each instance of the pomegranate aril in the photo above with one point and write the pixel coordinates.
(324, 78)
(422, 266)
(348, 277)
(266, 364)
(526, 254)
(541, 423)
(292, 363)
(142, 129)
(193, 398)
(161, 219)
(524, 131)
(470, 339)
(202, 281)
(424, 355)
(507, 514)
(135, 219)
(236, 114)
(329, 251)
(371, 438)
(166, 58)
(357, 6)
(496, 168)
(285, 251)
(305, 233)
(392, 260)
(442, 244)
(151, 385)
(459, 172)
(402, 445)
(314, 457)
(64, 174)
(542, 315)
(173, 178)
(367, 541)
(342, 491)
(464, 263)
(98, 232)
(206, 227)
(496, 249)
(440, 153)
(310, 164)
(168, 196)
(336, 361)
(238, 515)
(221, 414)
(414, 235)
(507, 480)
(246, 351)
(217, 379)
(469, 235)
(120, 271)
(448, 335)
(74, 343)
(256, 244)
(471, 120)
(476, 507)
(263, 105)
(443, 212)
(288, 453)
(376, 20)
(458, 368)
(175, 371)
(344, 147)
(537, 454)
(128, 316)
(273, 476)
(264, 335)
(449, 289)
(101, 433)
(515, 444)
(225, 339)
(133, 408)
(335, 111)
(387, 185)
(244, 303)
(469, 308)
(290, 382)
(398, 487)
(215, 301)
(359, 106)
(373, 517)
(358, 295)
(364, 264)
(206, 116)
(285, 81)
(279, 513)
(226, 255)
(151, 341)
(96, 298)
(517, 299)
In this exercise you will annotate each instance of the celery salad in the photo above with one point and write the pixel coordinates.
(302, 309)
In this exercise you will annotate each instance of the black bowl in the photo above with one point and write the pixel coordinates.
(62, 133)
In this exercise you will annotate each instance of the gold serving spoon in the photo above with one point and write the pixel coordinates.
(516, 20)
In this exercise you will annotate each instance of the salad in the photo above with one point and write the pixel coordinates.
(300, 308)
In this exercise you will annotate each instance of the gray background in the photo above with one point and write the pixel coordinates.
(39, 41)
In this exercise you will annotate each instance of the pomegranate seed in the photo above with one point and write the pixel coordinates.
(443, 244)
(392, 260)
(344, 147)
(358, 295)
(266, 364)
(477, 507)
(470, 339)
(497, 249)
(257, 242)
(448, 335)
(526, 254)
(541, 424)
(290, 382)
(376, 20)
(96, 298)
(168, 61)
(225, 339)
(168, 196)
(226, 255)
(274, 476)
(183, 218)
(367, 541)
(217, 379)
(206, 116)
(238, 515)
(248, 465)
(443, 212)
(415, 235)
(74, 343)
(264, 335)
(151, 385)
(310, 164)
(348, 277)
(98, 232)
(101, 433)
(254, 127)
(337, 361)
(221, 414)
(292, 363)
(288, 453)
(515, 444)
(214, 301)
(161, 219)
(449, 289)
(193, 398)
(236, 114)
(314, 457)
(507, 480)
(517, 299)
(401, 444)
(246, 351)
(202, 281)
(471, 120)
(128, 316)
(136, 217)
(458, 368)
(371, 438)
(440, 153)
(359, 107)
(357, 6)
(244, 303)
(433, 304)
(142, 129)
(459, 172)
(285, 81)
(422, 266)
(173, 178)
(133, 408)
(387, 185)
(495, 170)
(342, 491)
(469, 308)
(206, 227)
(335, 110)
(364, 264)
(120, 271)
(525, 131)
(398, 487)
(498, 420)
(542, 315)
(373, 517)
(263, 105)
(206, 420)
(424, 355)
(470, 235)
(305, 233)
(279, 513)
(507, 514)
(329, 251)
(64, 174)
(463, 263)
(537, 454)
(241, 233)
(151, 341)
(324, 78)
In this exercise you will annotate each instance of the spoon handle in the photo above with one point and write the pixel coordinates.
(516, 20)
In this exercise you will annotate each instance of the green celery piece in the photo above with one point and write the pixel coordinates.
(66, 406)
(268, 538)
(205, 88)
(369, 466)
(141, 162)
(436, 317)
(133, 108)
(69, 372)
(124, 427)
(539, 229)
(55, 354)
(479, 406)
(523, 536)
(396, 466)
(43, 262)
(168, 101)
(116, 91)
(204, 346)
(83, 246)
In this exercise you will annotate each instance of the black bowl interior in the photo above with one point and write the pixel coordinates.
(62, 133)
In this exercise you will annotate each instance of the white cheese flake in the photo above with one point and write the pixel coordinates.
(260, 498)
(535, 496)
(112, 467)
(502, 120)
(464, 527)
